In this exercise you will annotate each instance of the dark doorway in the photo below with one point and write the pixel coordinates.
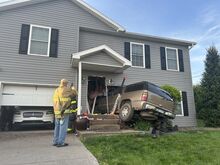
(96, 88)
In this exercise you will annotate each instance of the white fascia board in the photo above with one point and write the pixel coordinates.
(105, 48)
(11, 2)
(117, 56)
(98, 14)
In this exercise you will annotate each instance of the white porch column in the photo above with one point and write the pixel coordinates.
(79, 88)
(1, 90)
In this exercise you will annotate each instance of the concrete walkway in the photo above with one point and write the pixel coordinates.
(35, 148)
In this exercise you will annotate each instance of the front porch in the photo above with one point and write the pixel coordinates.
(100, 62)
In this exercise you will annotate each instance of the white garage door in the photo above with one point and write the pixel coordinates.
(19, 95)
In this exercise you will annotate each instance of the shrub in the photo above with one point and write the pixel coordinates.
(142, 125)
(175, 93)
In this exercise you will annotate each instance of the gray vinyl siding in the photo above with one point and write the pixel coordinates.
(181, 80)
(59, 14)
(101, 58)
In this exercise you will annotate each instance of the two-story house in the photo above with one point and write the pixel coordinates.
(43, 41)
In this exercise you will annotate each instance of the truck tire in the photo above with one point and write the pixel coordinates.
(126, 112)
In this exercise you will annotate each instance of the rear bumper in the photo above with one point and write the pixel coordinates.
(159, 112)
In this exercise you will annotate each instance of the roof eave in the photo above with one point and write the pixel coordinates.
(142, 37)
(101, 16)
(19, 3)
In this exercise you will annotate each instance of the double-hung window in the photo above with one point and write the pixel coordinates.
(137, 55)
(39, 40)
(179, 107)
(172, 59)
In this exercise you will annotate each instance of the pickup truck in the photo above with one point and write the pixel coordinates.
(145, 98)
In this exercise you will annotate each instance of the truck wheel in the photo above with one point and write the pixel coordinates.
(126, 112)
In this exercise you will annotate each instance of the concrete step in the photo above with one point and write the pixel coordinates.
(104, 121)
(105, 127)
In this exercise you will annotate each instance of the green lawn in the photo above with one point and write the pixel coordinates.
(197, 148)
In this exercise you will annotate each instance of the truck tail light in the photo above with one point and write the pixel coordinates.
(144, 96)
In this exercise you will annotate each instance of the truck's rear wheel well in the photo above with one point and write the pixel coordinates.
(125, 101)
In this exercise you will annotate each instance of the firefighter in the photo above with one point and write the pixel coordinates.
(73, 116)
(61, 103)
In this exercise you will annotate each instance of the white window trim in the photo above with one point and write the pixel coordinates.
(177, 60)
(135, 43)
(181, 103)
(49, 38)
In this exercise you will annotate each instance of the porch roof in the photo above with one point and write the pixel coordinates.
(96, 65)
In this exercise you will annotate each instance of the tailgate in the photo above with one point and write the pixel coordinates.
(161, 102)
(160, 98)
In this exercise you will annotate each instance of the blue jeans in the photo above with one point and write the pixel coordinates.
(60, 130)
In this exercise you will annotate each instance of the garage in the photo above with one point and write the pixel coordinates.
(25, 103)
(27, 95)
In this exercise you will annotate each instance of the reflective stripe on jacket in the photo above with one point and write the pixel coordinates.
(73, 110)
(73, 106)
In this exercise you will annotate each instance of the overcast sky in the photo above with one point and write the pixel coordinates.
(195, 20)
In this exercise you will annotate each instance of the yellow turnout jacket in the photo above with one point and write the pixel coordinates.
(62, 100)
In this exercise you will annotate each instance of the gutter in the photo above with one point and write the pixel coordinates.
(193, 44)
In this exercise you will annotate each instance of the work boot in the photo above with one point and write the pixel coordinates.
(62, 145)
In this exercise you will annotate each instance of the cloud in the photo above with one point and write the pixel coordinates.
(209, 15)
(198, 58)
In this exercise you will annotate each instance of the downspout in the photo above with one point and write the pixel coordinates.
(1, 90)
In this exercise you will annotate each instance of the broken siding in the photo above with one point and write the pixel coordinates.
(63, 15)
(108, 76)
(181, 80)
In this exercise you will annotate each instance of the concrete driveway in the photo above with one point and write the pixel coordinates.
(35, 148)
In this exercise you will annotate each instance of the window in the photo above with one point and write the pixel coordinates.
(157, 90)
(172, 59)
(137, 55)
(136, 87)
(39, 40)
(179, 107)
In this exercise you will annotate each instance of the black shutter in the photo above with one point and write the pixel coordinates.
(54, 43)
(24, 39)
(127, 50)
(185, 104)
(147, 57)
(181, 64)
(163, 58)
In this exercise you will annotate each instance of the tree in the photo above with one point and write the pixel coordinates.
(210, 90)
(211, 79)
(198, 95)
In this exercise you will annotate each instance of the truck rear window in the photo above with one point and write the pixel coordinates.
(135, 87)
(157, 90)
(150, 87)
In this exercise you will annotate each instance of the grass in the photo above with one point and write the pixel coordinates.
(183, 148)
